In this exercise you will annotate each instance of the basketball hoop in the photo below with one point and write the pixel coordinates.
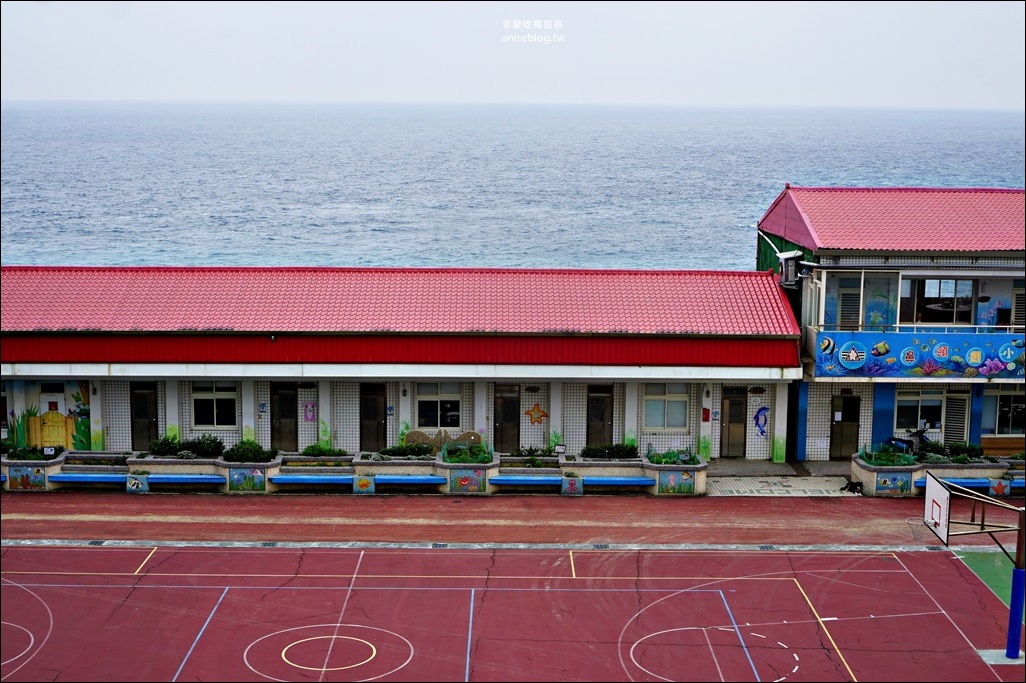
(919, 528)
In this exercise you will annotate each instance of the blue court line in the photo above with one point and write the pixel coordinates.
(470, 637)
(737, 632)
(199, 635)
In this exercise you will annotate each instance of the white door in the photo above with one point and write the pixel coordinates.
(956, 418)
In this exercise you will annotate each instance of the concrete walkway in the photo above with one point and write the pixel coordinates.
(737, 477)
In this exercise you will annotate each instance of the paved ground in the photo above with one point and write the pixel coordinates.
(758, 505)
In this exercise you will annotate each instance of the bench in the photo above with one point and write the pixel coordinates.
(185, 479)
(409, 479)
(325, 479)
(89, 477)
(520, 480)
(1014, 485)
(618, 481)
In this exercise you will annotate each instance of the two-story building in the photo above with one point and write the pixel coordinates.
(111, 358)
(911, 303)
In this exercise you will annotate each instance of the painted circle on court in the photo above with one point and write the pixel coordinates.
(371, 652)
(367, 651)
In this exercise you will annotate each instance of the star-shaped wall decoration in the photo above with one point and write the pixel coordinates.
(536, 414)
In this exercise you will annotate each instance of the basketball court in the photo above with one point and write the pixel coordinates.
(167, 613)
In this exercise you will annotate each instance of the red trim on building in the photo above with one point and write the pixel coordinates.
(501, 350)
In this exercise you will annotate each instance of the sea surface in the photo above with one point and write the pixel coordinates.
(466, 186)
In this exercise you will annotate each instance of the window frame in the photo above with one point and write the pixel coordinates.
(666, 397)
(919, 396)
(996, 395)
(446, 403)
(218, 392)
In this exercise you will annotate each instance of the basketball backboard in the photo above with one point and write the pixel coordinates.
(938, 507)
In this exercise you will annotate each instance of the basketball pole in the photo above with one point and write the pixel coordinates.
(1018, 590)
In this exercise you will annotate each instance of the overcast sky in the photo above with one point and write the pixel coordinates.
(863, 54)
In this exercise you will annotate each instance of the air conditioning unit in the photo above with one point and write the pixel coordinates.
(790, 267)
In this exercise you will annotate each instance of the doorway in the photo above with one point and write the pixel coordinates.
(143, 406)
(844, 426)
(733, 422)
(284, 417)
(507, 418)
(600, 414)
(373, 415)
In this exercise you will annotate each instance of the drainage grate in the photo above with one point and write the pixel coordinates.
(439, 545)
(601, 546)
(766, 547)
(269, 544)
(96, 542)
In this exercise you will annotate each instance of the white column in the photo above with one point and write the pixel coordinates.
(324, 429)
(249, 410)
(405, 401)
(556, 409)
(481, 408)
(172, 428)
(779, 447)
(630, 410)
(97, 437)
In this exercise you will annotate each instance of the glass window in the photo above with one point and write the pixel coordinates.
(438, 405)
(214, 404)
(666, 405)
(935, 300)
(1003, 413)
(919, 410)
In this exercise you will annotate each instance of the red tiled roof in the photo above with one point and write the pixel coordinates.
(903, 219)
(392, 300)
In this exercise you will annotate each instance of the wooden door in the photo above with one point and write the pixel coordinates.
(733, 422)
(507, 418)
(844, 427)
(600, 415)
(284, 417)
(143, 406)
(373, 416)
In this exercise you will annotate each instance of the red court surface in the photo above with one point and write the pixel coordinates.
(249, 613)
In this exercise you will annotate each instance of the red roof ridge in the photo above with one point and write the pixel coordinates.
(1011, 190)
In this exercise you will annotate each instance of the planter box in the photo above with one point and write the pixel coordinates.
(899, 480)
(467, 478)
(627, 473)
(678, 480)
(30, 475)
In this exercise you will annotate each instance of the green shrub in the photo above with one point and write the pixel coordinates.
(248, 450)
(206, 446)
(610, 451)
(469, 453)
(971, 450)
(408, 451)
(166, 446)
(680, 457)
(936, 447)
(322, 451)
(32, 453)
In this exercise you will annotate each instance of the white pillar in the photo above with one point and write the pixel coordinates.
(481, 421)
(97, 437)
(324, 428)
(630, 411)
(779, 447)
(172, 428)
(248, 410)
(556, 410)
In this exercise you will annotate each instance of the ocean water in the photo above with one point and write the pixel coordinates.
(468, 186)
